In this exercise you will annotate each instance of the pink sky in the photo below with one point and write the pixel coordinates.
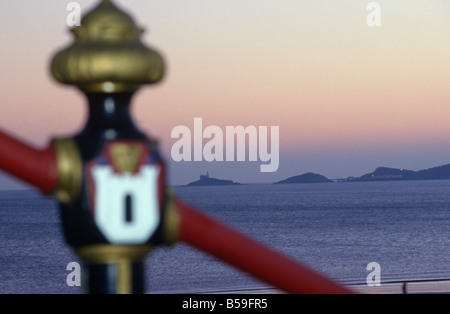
(347, 97)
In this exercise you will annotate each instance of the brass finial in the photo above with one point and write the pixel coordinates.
(107, 54)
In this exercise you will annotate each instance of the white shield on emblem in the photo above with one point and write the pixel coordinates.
(126, 204)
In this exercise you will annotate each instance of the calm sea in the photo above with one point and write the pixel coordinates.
(336, 228)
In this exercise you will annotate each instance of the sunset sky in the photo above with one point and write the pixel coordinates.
(346, 97)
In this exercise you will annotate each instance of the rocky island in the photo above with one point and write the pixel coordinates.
(206, 180)
(306, 178)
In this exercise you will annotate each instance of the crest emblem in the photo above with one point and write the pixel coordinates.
(124, 192)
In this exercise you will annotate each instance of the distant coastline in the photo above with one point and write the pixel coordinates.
(394, 174)
(379, 174)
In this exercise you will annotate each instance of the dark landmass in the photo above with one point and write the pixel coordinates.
(205, 180)
(380, 174)
(390, 174)
(305, 178)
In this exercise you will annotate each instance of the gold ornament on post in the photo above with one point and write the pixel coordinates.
(107, 54)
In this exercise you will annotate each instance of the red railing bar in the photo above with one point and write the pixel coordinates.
(36, 167)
